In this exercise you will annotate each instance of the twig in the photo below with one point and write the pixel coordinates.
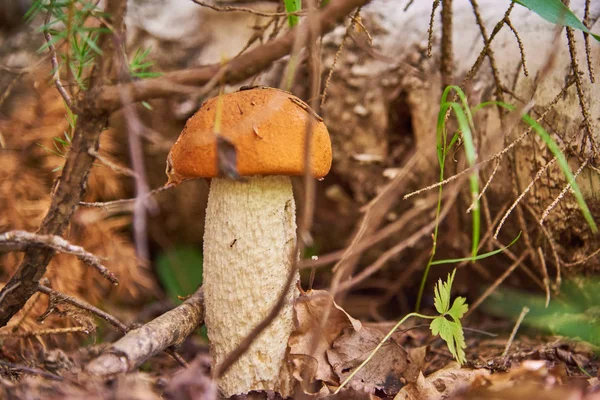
(121, 202)
(54, 61)
(586, 39)
(338, 53)
(84, 306)
(22, 240)
(113, 166)
(585, 113)
(487, 184)
(248, 10)
(447, 53)
(538, 175)
(497, 283)
(238, 69)
(169, 329)
(29, 370)
(434, 7)
(561, 194)
(46, 332)
(515, 330)
(586, 259)
(508, 22)
(545, 275)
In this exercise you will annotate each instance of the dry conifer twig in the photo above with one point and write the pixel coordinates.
(520, 43)
(22, 240)
(537, 176)
(562, 193)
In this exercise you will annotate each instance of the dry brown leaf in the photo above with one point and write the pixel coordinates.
(440, 384)
(384, 371)
(309, 344)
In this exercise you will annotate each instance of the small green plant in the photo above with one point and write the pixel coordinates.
(67, 24)
(446, 324)
(62, 144)
(139, 67)
(464, 118)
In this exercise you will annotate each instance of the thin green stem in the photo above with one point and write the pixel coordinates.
(385, 339)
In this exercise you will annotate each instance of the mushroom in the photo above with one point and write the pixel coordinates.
(250, 226)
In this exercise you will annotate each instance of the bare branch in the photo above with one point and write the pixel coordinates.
(84, 306)
(169, 329)
(22, 240)
(247, 10)
(54, 61)
(126, 204)
(238, 69)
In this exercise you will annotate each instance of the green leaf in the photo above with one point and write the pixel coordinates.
(442, 294)
(290, 7)
(479, 256)
(459, 308)
(556, 12)
(450, 331)
(180, 271)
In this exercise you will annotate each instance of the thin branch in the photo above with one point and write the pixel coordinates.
(54, 61)
(589, 132)
(238, 69)
(248, 10)
(84, 306)
(113, 166)
(124, 202)
(29, 370)
(138, 345)
(22, 240)
(538, 175)
(561, 194)
(338, 53)
(434, 7)
(520, 43)
(46, 332)
(545, 275)
(513, 334)
(586, 39)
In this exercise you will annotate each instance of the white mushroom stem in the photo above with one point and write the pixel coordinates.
(249, 241)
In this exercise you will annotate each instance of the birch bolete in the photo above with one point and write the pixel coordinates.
(250, 228)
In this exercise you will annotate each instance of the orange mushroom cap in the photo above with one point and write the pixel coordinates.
(266, 126)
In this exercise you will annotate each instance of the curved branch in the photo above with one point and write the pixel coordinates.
(236, 70)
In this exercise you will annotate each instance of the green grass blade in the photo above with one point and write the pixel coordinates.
(556, 12)
(560, 157)
(290, 7)
(478, 257)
